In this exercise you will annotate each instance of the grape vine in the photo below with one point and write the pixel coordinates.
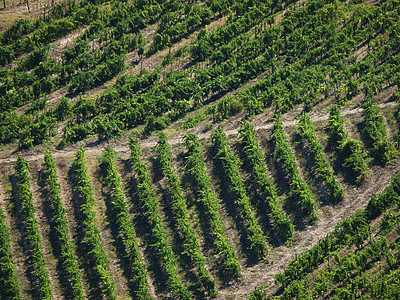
(195, 166)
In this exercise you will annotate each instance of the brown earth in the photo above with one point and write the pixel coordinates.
(253, 275)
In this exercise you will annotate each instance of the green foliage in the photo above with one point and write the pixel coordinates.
(306, 131)
(379, 203)
(149, 205)
(354, 230)
(284, 154)
(375, 130)
(175, 25)
(156, 124)
(228, 107)
(36, 57)
(92, 240)
(178, 203)
(192, 121)
(258, 294)
(32, 229)
(10, 287)
(349, 151)
(61, 228)
(304, 58)
(122, 219)
(196, 167)
(255, 156)
(231, 164)
(63, 109)
(76, 132)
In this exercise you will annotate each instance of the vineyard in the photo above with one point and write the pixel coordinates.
(200, 149)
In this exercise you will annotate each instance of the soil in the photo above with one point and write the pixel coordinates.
(253, 275)
(230, 126)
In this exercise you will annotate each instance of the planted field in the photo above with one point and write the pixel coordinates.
(200, 149)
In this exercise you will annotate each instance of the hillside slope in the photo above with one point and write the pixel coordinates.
(280, 123)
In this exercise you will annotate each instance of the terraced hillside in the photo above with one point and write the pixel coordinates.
(187, 149)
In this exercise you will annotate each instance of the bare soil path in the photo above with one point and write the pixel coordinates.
(356, 198)
(288, 120)
(262, 273)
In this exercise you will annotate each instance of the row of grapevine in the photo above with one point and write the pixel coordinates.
(347, 275)
(238, 58)
(308, 47)
(217, 45)
(61, 227)
(254, 155)
(231, 165)
(132, 111)
(9, 284)
(92, 240)
(178, 203)
(375, 130)
(284, 154)
(196, 167)
(122, 219)
(349, 151)
(353, 230)
(306, 130)
(32, 229)
(149, 205)
(179, 23)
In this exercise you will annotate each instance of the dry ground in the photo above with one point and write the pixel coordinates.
(253, 274)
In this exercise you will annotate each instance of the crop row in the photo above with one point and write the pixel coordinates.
(285, 155)
(353, 230)
(122, 219)
(255, 157)
(196, 168)
(375, 130)
(346, 275)
(230, 163)
(132, 110)
(32, 229)
(287, 61)
(61, 227)
(92, 238)
(306, 130)
(9, 284)
(178, 203)
(149, 205)
(349, 151)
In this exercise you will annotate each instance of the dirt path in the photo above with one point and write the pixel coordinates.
(264, 272)
(356, 198)
(152, 140)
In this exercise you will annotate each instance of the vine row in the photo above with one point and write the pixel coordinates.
(195, 166)
(306, 131)
(254, 155)
(349, 151)
(32, 229)
(181, 214)
(375, 130)
(61, 227)
(122, 219)
(300, 188)
(92, 238)
(149, 205)
(9, 284)
(231, 164)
